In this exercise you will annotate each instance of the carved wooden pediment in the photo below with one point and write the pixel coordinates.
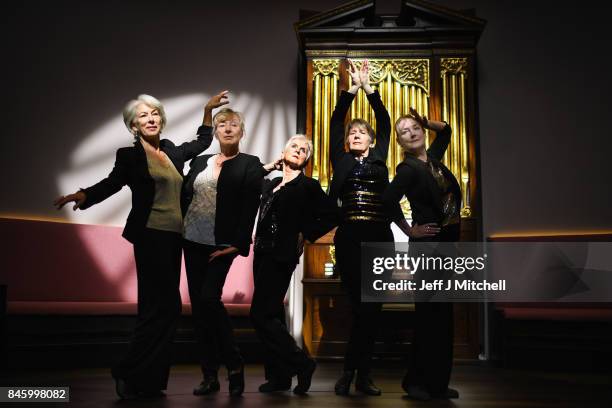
(419, 24)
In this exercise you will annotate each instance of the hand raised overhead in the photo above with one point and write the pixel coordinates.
(421, 119)
(218, 100)
(354, 74)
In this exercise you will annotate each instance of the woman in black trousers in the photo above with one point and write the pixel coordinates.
(153, 170)
(435, 200)
(359, 180)
(292, 206)
(220, 200)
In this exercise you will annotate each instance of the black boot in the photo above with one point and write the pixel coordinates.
(304, 377)
(124, 390)
(208, 386)
(343, 385)
(365, 385)
(236, 382)
(449, 393)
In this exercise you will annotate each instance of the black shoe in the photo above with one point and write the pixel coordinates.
(365, 385)
(416, 392)
(125, 391)
(304, 377)
(343, 385)
(450, 393)
(208, 386)
(275, 386)
(236, 382)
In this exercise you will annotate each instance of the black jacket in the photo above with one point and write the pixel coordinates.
(131, 169)
(343, 161)
(238, 191)
(301, 206)
(414, 180)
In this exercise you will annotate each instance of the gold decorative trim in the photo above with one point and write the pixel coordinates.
(453, 66)
(368, 53)
(325, 66)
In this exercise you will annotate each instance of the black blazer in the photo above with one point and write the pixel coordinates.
(414, 180)
(301, 207)
(343, 161)
(131, 168)
(238, 191)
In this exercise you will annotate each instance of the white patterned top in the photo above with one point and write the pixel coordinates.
(199, 224)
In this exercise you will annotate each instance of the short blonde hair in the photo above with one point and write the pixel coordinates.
(129, 112)
(309, 147)
(224, 114)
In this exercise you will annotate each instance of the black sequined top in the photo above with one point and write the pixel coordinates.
(362, 193)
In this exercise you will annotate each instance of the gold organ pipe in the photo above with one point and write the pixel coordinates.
(316, 129)
(465, 174)
(324, 180)
(394, 149)
(445, 111)
(455, 124)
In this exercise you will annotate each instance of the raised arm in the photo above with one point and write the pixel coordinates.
(443, 133)
(383, 120)
(336, 128)
(189, 150)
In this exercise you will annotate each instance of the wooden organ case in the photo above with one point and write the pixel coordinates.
(425, 58)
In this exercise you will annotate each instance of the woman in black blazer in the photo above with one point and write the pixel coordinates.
(359, 180)
(153, 170)
(292, 206)
(220, 200)
(435, 200)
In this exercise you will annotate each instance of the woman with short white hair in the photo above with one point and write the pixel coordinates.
(153, 169)
(292, 206)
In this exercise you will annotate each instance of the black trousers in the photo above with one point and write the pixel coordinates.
(283, 357)
(213, 327)
(146, 365)
(431, 361)
(365, 315)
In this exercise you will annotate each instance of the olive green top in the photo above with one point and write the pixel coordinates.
(166, 210)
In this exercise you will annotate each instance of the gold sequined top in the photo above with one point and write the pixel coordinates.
(362, 194)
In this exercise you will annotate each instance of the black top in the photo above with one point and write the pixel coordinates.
(300, 206)
(415, 180)
(238, 190)
(131, 168)
(343, 162)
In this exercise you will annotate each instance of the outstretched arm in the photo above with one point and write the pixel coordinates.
(100, 191)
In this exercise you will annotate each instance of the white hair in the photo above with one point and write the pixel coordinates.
(129, 112)
(309, 147)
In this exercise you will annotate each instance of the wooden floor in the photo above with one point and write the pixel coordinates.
(480, 386)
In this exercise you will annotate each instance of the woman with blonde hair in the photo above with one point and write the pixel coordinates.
(220, 200)
(435, 200)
